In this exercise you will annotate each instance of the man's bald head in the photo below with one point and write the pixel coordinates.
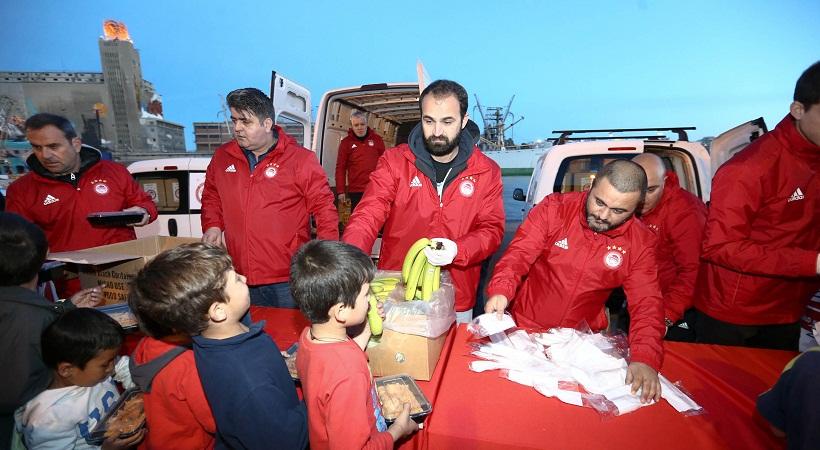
(655, 179)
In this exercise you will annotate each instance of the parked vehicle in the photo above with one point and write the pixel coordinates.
(571, 164)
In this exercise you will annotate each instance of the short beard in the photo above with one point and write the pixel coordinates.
(595, 224)
(441, 148)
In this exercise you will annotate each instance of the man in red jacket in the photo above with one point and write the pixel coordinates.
(571, 251)
(358, 154)
(760, 257)
(677, 218)
(68, 181)
(260, 190)
(438, 185)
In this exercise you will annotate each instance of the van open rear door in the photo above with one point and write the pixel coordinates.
(291, 105)
(732, 141)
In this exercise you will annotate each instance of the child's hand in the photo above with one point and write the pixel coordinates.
(403, 425)
(88, 298)
(124, 443)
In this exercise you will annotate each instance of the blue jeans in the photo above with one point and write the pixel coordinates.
(276, 295)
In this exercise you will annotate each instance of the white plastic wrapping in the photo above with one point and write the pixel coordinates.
(578, 368)
(421, 318)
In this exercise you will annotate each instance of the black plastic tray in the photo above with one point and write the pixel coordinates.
(115, 218)
(97, 435)
(414, 389)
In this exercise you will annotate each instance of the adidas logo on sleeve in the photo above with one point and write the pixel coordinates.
(415, 183)
(231, 169)
(797, 195)
(562, 244)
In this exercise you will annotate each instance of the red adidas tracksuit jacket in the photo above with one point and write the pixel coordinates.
(265, 214)
(559, 273)
(357, 158)
(60, 207)
(404, 199)
(677, 221)
(758, 265)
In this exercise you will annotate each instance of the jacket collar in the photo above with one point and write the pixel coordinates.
(284, 140)
(795, 142)
(88, 157)
(254, 330)
(424, 161)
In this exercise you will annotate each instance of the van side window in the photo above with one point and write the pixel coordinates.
(164, 188)
(294, 129)
(682, 163)
(577, 173)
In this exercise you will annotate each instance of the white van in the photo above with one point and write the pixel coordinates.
(176, 183)
(568, 167)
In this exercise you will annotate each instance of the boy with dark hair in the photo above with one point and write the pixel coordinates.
(162, 365)
(24, 315)
(80, 348)
(330, 281)
(193, 289)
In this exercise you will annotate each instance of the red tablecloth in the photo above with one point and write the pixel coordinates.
(482, 410)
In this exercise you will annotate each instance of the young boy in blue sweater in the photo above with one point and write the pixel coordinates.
(246, 381)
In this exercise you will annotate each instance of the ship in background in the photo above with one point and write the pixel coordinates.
(512, 158)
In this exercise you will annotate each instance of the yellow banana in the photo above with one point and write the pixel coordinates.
(427, 282)
(414, 276)
(410, 257)
(387, 281)
(374, 318)
(377, 288)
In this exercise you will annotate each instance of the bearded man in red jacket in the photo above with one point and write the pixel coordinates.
(677, 217)
(260, 190)
(439, 185)
(571, 251)
(760, 260)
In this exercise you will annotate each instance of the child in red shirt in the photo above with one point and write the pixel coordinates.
(330, 281)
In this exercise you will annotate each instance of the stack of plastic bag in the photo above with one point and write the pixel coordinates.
(578, 368)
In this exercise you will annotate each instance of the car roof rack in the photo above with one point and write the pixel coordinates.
(565, 134)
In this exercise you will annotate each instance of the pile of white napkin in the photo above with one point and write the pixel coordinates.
(561, 361)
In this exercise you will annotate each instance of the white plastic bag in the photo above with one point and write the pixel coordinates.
(429, 319)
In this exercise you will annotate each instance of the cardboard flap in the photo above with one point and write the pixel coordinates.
(85, 257)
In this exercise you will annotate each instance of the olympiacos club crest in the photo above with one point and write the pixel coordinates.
(467, 187)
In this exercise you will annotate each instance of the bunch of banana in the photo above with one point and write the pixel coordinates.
(419, 276)
(382, 287)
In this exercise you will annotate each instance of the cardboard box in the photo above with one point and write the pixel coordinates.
(172, 193)
(399, 353)
(116, 264)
